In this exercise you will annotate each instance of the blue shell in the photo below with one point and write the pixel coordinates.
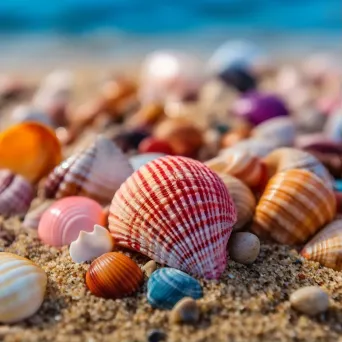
(167, 286)
(338, 185)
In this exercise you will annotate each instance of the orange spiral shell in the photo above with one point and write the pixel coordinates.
(113, 275)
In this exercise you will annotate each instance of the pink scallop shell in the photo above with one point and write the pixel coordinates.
(62, 222)
(178, 212)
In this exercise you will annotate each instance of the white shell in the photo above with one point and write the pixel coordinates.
(22, 288)
(91, 245)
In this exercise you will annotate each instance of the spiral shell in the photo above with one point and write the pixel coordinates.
(16, 194)
(22, 288)
(177, 212)
(113, 275)
(326, 246)
(96, 172)
(294, 206)
(242, 197)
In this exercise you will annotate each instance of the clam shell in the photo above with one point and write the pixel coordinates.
(242, 197)
(62, 222)
(167, 286)
(16, 194)
(96, 172)
(176, 211)
(22, 288)
(113, 275)
(326, 246)
(29, 149)
(142, 159)
(33, 217)
(294, 206)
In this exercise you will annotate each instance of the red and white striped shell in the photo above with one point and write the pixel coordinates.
(96, 172)
(178, 212)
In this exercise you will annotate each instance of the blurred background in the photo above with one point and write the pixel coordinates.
(40, 32)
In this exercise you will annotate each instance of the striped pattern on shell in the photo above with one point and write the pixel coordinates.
(294, 206)
(176, 211)
(95, 172)
(326, 246)
(16, 194)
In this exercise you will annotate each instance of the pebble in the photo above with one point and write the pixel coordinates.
(149, 268)
(185, 311)
(156, 335)
(244, 247)
(310, 300)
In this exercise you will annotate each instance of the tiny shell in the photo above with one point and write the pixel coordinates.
(185, 311)
(149, 267)
(96, 172)
(244, 247)
(153, 145)
(90, 245)
(62, 222)
(167, 286)
(33, 217)
(326, 246)
(16, 194)
(22, 288)
(294, 206)
(142, 159)
(113, 275)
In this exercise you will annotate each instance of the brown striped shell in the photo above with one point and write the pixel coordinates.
(294, 206)
(326, 246)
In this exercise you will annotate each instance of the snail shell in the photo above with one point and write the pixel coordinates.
(22, 288)
(176, 211)
(294, 206)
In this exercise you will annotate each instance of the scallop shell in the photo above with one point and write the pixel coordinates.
(16, 194)
(243, 198)
(62, 222)
(294, 206)
(29, 149)
(142, 159)
(96, 172)
(33, 217)
(167, 286)
(176, 211)
(22, 288)
(113, 275)
(326, 246)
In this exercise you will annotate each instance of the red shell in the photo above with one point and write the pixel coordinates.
(151, 144)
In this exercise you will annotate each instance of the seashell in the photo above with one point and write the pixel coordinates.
(243, 199)
(22, 288)
(184, 136)
(142, 159)
(62, 222)
(33, 217)
(242, 165)
(310, 300)
(26, 113)
(16, 194)
(167, 286)
(158, 209)
(96, 172)
(280, 130)
(326, 246)
(113, 275)
(91, 245)
(185, 311)
(29, 149)
(290, 158)
(244, 247)
(153, 145)
(294, 206)
(233, 137)
(149, 268)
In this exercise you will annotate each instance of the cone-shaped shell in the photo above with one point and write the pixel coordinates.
(22, 288)
(176, 211)
(113, 275)
(29, 149)
(96, 172)
(243, 198)
(326, 246)
(294, 206)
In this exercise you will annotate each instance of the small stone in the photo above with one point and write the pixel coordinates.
(149, 268)
(310, 300)
(156, 335)
(185, 311)
(244, 247)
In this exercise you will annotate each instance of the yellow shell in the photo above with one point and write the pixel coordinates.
(22, 288)
(242, 197)
(326, 246)
(294, 206)
(29, 149)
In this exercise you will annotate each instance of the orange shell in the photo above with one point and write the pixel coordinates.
(294, 206)
(113, 275)
(29, 149)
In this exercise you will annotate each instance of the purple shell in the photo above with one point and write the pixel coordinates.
(256, 107)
